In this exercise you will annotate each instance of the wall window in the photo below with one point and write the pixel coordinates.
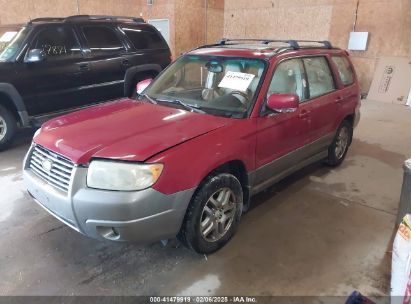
(288, 78)
(102, 39)
(57, 43)
(320, 79)
(145, 38)
(344, 69)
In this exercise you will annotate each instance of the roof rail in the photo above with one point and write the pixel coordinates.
(45, 19)
(292, 43)
(87, 18)
(103, 17)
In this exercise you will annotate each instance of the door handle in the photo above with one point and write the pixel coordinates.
(304, 114)
(339, 99)
(125, 62)
(84, 67)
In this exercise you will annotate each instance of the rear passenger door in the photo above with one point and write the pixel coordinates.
(349, 92)
(107, 61)
(323, 97)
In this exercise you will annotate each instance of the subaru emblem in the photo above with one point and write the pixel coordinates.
(47, 164)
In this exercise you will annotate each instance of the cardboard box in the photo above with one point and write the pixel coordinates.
(392, 80)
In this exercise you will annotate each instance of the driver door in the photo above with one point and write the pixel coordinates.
(52, 84)
(279, 135)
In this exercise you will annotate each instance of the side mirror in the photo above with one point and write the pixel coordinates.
(142, 85)
(283, 103)
(35, 55)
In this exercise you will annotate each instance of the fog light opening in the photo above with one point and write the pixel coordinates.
(109, 233)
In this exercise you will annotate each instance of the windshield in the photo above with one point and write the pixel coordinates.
(215, 85)
(10, 41)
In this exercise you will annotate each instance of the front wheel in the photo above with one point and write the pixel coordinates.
(8, 127)
(213, 214)
(339, 147)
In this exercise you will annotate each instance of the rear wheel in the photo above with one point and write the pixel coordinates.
(8, 127)
(213, 214)
(339, 147)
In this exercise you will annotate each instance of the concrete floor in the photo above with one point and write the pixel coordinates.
(319, 232)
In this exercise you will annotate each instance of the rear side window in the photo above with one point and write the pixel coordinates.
(320, 79)
(143, 39)
(102, 39)
(344, 69)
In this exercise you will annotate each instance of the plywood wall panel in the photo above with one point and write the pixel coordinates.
(215, 25)
(13, 12)
(365, 70)
(278, 20)
(342, 23)
(189, 24)
(383, 21)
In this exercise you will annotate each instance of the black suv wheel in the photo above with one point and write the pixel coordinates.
(8, 127)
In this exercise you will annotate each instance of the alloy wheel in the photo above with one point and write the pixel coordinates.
(218, 214)
(3, 128)
(341, 142)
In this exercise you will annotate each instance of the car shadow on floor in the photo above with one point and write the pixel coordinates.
(318, 169)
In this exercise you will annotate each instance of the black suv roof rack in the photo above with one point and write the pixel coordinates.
(292, 43)
(103, 17)
(47, 19)
(87, 18)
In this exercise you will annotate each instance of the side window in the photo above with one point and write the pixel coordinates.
(102, 40)
(289, 78)
(320, 79)
(58, 43)
(145, 38)
(344, 69)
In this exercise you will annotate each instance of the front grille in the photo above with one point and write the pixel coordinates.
(51, 167)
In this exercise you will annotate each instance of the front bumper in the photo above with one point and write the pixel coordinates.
(139, 216)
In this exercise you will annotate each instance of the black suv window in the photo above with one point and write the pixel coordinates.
(145, 38)
(102, 39)
(344, 69)
(320, 78)
(57, 42)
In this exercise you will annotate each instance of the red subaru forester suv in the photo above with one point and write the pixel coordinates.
(220, 124)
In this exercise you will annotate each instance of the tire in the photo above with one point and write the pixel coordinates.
(339, 147)
(207, 206)
(8, 127)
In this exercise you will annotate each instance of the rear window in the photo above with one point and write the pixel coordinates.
(344, 69)
(143, 39)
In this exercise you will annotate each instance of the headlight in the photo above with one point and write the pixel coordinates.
(112, 175)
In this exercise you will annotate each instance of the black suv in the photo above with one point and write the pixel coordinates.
(55, 65)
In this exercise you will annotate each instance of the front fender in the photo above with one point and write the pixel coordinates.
(17, 101)
(187, 164)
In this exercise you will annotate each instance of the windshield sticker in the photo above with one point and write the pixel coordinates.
(7, 36)
(236, 81)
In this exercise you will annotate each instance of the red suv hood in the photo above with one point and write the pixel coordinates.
(124, 129)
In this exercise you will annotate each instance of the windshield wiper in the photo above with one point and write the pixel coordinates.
(149, 98)
(186, 106)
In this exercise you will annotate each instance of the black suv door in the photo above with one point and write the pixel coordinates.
(107, 59)
(52, 84)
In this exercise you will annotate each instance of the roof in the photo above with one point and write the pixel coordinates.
(259, 48)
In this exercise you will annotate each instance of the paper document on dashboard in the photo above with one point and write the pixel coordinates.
(236, 81)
